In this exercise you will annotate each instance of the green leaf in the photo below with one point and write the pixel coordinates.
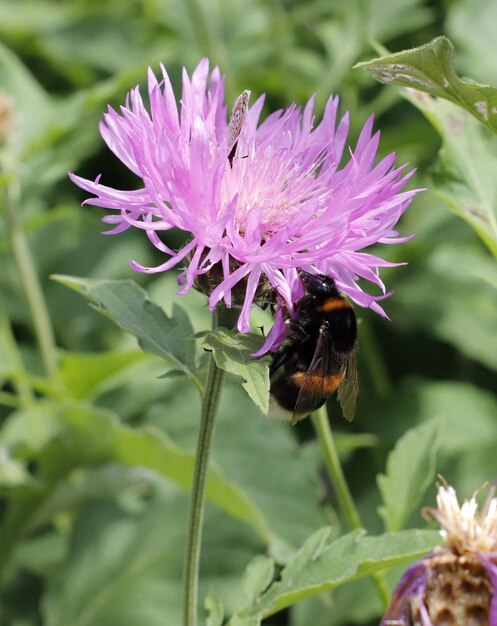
(41, 554)
(12, 471)
(464, 176)
(127, 304)
(32, 105)
(233, 353)
(126, 568)
(341, 605)
(215, 609)
(391, 19)
(465, 413)
(106, 481)
(89, 436)
(86, 374)
(241, 620)
(450, 270)
(429, 68)
(320, 564)
(471, 25)
(410, 470)
(258, 576)
(260, 456)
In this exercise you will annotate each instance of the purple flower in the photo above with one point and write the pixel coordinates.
(455, 585)
(279, 202)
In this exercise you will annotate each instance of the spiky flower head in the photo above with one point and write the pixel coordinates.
(454, 585)
(258, 200)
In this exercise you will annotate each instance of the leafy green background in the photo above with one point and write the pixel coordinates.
(96, 457)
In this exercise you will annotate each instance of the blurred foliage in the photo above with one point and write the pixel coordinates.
(96, 455)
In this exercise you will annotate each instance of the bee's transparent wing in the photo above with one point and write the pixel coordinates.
(348, 391)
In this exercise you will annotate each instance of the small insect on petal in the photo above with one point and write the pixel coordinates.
(236, 122)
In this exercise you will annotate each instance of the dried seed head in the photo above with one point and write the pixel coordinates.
(466, 529)
(453, 586)
(458, 592)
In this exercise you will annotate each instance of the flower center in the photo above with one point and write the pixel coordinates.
(271, 187)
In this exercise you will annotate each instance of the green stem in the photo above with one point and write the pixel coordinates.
(345, 502)
(19, 382)
(30, 282)
(221, 317)
(341, 489)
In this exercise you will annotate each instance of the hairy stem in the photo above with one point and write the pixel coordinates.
(221, 317)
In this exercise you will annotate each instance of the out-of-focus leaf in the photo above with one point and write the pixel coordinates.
(260, 456)
(215, 609)
(127, 569)
(471, 26)
(71, 133)
(257, 576)
(30, 428)
(463, 175)
(339, 607)
(84, 375)
(88, 436)
(12, 471)
(391, 19)
(127, 304)
(435, 298)
(42, 554)
(465, 414)
(429, 68)
(233, 353)
(243, 620)
(410, 470)
(320, 565)
(32, 106)
(108, 481)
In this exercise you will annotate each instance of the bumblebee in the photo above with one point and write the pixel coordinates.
(318, 354)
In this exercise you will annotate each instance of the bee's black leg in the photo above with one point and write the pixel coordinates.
(278, 359)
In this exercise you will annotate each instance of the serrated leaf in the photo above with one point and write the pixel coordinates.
(233, 353)
(429, 68)
(257, 577)
(320, 565)
(215, 609)
(410, 470)
(128, 305)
